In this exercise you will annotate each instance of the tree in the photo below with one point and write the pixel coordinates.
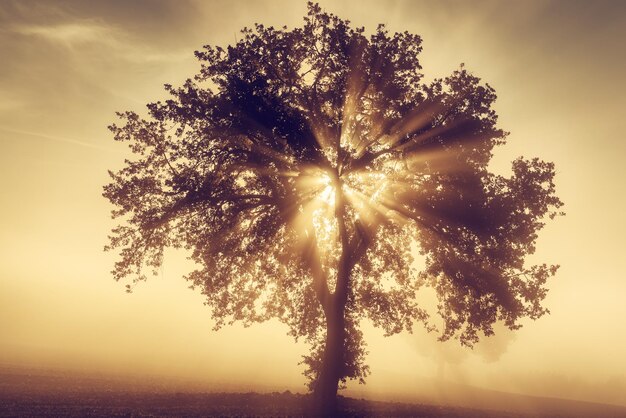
(304, 168)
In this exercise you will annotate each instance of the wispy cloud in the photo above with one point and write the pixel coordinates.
(57, 139)
(72, 33)
(88, 33)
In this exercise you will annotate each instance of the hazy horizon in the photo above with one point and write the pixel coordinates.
(68, 66)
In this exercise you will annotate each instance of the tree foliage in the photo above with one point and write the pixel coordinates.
(309, 165)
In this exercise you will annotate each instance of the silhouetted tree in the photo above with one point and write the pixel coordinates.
(305, 168)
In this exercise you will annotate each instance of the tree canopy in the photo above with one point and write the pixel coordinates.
(305, 169)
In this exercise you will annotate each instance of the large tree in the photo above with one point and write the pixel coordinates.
(305, 170)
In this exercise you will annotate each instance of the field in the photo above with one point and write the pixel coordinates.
(209, 405)
(38, 394)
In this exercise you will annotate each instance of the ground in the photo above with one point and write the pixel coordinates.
(53, 394)
(210, 405)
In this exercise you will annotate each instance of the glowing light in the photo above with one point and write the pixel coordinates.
(327, 195)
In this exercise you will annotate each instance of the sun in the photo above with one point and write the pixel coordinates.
(327, 195)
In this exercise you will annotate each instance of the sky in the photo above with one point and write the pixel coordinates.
(67, 66)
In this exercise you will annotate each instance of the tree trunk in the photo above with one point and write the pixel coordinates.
(325, 395)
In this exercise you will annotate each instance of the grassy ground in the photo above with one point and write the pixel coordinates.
(210, 405)
(53, 394)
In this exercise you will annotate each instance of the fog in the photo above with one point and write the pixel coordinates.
(557, 68)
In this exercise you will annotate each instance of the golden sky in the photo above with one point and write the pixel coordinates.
(558, 70)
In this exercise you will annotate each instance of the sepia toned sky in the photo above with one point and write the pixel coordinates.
(557, 66)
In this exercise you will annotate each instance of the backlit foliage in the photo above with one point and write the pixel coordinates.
(295, 148)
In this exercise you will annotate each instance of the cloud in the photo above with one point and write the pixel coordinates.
(88, 34)
(163, 22)
(57, 139)
(70, 34)
(69, 61)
